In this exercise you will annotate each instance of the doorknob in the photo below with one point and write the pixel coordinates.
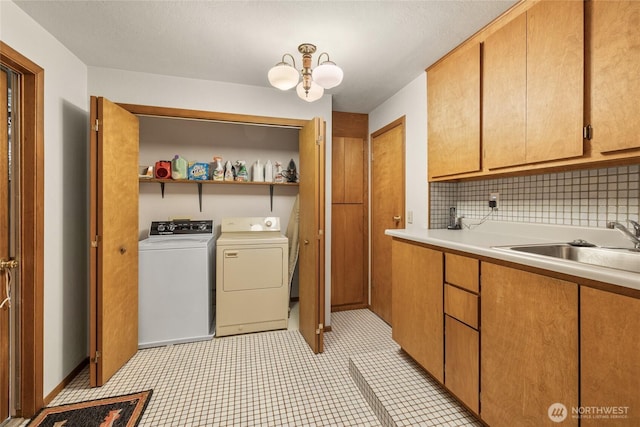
(123, 250)
(7, 264)
(397, 218)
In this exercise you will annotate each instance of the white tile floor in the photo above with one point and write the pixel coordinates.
(268, 378)
(402, 394)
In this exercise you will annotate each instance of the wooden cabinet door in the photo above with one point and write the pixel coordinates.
(462, 362)
(504, 100)
(615, 74)
(529, 347)
(533, 87)
(348, 286)
(311, 142)
(417, 275)
(555, 80)
(348, 179)
(453, 114)
(114, 231)
(609, 356)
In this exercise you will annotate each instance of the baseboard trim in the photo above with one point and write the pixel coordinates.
(346, 307)
(65, 382)
(326, 329)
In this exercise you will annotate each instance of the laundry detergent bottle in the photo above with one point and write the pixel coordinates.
(178, 168)
(258, 172)
(268, 171)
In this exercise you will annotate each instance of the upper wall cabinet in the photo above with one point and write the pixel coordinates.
(453, 103)
(533, 87)
(615, 74)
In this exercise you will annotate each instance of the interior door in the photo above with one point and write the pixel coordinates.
(387, 208)
(114, 235)
(311, 267)
(4, 246)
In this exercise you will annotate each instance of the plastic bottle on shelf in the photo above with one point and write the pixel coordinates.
(258, 172)
(217, 169)
(178, 168)
(242, 175)
(229, 175)
(278, 176)
(268, 171)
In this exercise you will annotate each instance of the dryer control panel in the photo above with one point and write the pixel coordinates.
(250, 224)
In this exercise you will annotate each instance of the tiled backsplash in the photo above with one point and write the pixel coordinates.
(587, 198)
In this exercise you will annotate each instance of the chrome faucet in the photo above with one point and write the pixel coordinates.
(635, 238)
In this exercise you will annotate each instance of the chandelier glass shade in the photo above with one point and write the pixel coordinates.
(326, 75)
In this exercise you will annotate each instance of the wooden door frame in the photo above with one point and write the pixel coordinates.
(31, 228)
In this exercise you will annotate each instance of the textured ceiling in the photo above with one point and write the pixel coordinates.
(380, 45)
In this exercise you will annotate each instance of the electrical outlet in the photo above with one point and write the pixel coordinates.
(410, 217)
(493, 200)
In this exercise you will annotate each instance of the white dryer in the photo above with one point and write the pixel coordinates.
(176, 283)
(252, 292)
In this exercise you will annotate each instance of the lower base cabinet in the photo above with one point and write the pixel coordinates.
(610, 359)
(462, 364)
(417, 305)
(529, 348)
(546, 357)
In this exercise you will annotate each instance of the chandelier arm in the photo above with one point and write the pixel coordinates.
(292, 59)
(320, 56)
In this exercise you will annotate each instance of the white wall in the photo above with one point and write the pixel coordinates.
(65, 205)
(411, 102)
(167, 91)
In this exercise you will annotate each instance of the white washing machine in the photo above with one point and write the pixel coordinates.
(176, 283)
(252, 292)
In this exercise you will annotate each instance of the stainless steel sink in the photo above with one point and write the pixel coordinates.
(619, 258)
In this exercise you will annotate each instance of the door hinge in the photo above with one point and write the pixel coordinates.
(319, 139)
(96, 126)
(96, 357)
(587, 132)
(320, 327)
(94, 243)
(320, 234)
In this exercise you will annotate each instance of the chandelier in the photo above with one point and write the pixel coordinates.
(326, 75)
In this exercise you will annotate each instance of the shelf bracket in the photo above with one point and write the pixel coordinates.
(271, 196)
(162, 189)
(200, 195)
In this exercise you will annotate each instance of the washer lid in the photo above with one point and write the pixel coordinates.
(169, 243)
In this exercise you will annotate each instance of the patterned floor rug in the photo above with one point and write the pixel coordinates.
(118, 411)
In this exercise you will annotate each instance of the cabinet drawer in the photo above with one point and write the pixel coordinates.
(462, 271)
(461, 305)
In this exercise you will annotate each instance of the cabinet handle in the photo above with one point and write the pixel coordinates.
(123, 250)
(397, 218)
(306, 242)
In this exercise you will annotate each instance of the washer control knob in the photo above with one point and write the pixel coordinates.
(172, 226)
(202, 227)
(160, 227)
(268, 223)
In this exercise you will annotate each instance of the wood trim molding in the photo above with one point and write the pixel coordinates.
(66, 381)
(147, 110)
(397, 122)
(31, 229)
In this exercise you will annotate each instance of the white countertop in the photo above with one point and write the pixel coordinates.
(481, 240)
